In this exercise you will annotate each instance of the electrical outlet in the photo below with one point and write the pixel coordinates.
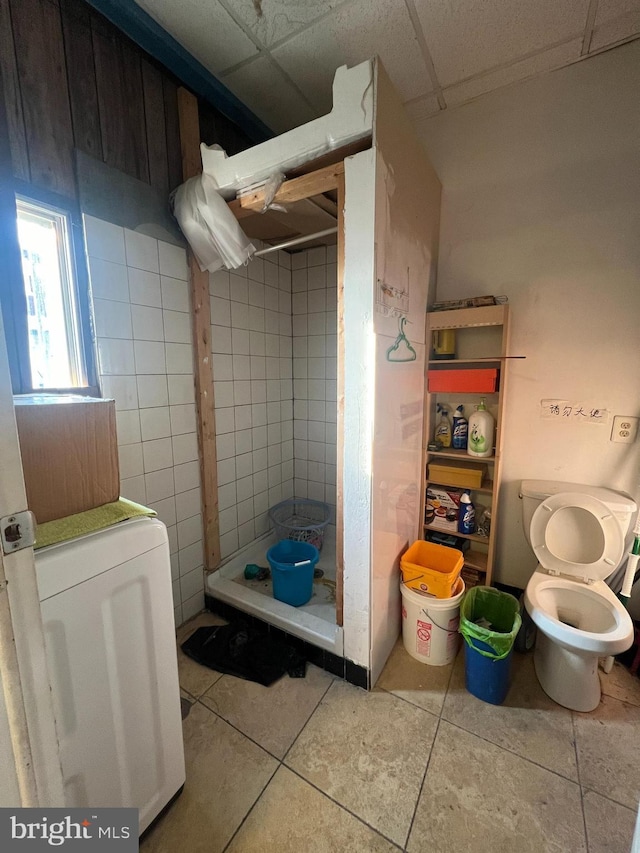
(625, 429)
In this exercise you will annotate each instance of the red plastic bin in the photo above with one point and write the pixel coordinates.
(480, 381)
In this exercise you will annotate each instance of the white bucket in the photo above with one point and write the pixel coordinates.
(430, 625)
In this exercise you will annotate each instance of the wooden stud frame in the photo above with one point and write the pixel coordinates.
(201, 320)
(297, 189)
(340, 397)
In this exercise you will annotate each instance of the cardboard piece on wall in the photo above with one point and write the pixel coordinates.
(69, 453)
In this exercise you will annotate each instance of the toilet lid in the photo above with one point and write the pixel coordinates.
(577, 535)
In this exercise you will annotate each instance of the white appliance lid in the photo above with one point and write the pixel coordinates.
(541, 489)
(577, 534)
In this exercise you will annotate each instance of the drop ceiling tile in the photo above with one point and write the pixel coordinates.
(279, 19)
(548, 60)
(615, 20)
(203, 28)
(350, 35)
(264, 90)
(467, 37)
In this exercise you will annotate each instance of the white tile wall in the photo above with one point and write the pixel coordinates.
(145, 360)
(315, 343)
(253, 385)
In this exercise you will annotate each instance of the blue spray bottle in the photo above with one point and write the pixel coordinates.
(467, 516)
(460, 429)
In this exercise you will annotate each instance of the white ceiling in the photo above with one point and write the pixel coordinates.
(279, 56)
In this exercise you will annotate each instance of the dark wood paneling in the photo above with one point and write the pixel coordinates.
(172, 126)
(107, 58)
(73, 80)
(81, 77)
(13, 103)
(37, 32)
(156, 133)
(133, 106)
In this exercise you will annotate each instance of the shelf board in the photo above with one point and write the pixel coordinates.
(485, 488)
(472, 536)
(459, 454)
(475, 559)
(468, 318)
(483, 360)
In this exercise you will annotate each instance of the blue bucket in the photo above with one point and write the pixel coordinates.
(487, 678)
(292, 564)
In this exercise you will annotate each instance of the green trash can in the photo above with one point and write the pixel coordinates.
(489, 623)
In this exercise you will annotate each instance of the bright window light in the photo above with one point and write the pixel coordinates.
(55, 340)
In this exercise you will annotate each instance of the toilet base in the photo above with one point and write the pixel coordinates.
(569, 678)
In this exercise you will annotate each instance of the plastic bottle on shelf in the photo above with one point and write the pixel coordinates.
(481, 426)
(443, 429)
(467, 516)
(460, 429)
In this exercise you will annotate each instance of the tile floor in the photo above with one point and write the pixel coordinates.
(418, 764)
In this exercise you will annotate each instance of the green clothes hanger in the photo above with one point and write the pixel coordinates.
(401, 349)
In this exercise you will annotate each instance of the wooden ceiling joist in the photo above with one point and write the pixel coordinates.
(306, 186)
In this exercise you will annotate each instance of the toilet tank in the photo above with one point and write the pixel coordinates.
(533, 492)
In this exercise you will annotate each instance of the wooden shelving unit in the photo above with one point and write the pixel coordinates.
(481, 332)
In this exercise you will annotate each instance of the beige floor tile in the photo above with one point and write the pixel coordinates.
(609, 750)
(368, 751)
(226, 773)
(195, 678)
(293, 817)
(418, 683)
(481, 798)
(620, 684)
(609, 825)
(272, 716)
(529, 723)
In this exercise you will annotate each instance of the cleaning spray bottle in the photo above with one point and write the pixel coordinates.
(443, 428)
(481, 425)
(467, 516)
(460, 429)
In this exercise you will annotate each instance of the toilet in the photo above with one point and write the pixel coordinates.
(577, 532)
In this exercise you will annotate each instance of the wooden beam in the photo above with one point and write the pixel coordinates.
(306, 186)
(201, 319)
(340, 395)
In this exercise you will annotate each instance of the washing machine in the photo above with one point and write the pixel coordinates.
(107, 609)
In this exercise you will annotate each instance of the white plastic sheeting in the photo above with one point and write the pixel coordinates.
(213, 232)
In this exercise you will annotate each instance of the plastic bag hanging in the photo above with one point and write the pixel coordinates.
(213, 232)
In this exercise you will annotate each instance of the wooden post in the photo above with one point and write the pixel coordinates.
(201, 319)
(340, 396)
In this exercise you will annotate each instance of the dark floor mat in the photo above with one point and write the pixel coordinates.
(237, 649)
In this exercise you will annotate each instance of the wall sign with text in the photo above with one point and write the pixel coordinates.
(572, 412)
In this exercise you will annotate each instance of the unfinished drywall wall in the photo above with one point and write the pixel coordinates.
(541, 188)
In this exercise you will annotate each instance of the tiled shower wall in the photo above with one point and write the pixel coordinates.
(145, 361)
(315, 344)
(253, 387)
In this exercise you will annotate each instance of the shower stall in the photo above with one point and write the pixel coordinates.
(311, 399)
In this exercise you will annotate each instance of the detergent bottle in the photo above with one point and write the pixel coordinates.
(481, 426)
(467, 516)
(443, 429)
(460, 428)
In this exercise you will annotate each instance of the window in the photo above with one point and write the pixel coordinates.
(58, 347)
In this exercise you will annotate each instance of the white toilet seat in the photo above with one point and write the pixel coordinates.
(578, 535)
(560, 606)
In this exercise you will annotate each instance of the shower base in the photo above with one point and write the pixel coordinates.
(314, 622)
